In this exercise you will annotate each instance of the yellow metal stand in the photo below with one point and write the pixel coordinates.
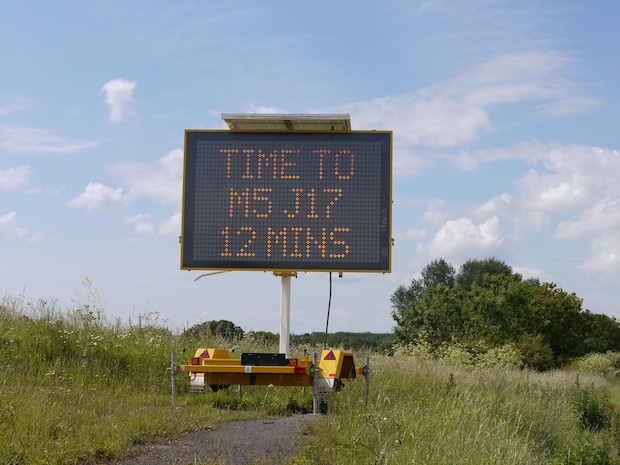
(213, 368)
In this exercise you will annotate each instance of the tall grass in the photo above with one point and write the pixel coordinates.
(78, 389)
(75, 388)
(423, 412)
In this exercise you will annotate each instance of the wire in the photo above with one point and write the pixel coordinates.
(329, 305)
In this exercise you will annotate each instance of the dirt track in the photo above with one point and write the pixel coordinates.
(234, 443)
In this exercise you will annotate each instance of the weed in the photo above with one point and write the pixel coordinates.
(386, 436)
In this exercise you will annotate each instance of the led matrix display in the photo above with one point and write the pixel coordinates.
(296, 201)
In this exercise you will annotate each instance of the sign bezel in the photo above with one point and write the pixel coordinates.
(187, 239)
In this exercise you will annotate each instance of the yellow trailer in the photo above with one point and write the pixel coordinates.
(215, 369)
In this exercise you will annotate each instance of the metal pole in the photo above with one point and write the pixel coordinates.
(173, 362)
(367, 370)
(315, 390)
(285, 315)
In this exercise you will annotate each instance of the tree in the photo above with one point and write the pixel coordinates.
(564, 324)
(404, 297)
(406, 300)
(486, 304)
(498, 309)
(222, 328)
(436, 318)
(473, 271)
(603, 333)
(436, 272)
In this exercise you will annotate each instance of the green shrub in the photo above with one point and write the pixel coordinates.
(600, 364)
(592, 407)
(456, 355)
(614, 357)
(592, 449)
(536, 353)
(506, 356)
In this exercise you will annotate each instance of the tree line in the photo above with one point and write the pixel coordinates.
(486, 304)
(229, 331)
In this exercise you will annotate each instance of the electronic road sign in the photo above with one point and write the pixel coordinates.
(287, 201)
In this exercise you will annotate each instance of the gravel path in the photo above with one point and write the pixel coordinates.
(235, 443)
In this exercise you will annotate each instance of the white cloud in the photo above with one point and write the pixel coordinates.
(462, 238)
(172, 227)
(408, 163)
(98, 196)
(119, 97)
(602, 215)
(578, 181)
(605, 254)
(55, 191)
(556, 192)
(517, 212)
(415, 234)
(535, 273)
(9, 228)
(575, 185)
(470, 161)
(571, 190)
(141, 217)
(455, 112)
(420, 119)
(14, 178)
(142, 223)
(16, 139)
(411, 234)
(514, 77)
(144, 228)
(497, 204)
(567, 106)
(161, 181)
(16, 105)
(436, 214)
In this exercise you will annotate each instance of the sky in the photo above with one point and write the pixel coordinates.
(505, 144)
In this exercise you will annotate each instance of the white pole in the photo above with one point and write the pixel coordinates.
(285, 315)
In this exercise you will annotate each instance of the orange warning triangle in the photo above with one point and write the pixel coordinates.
(205, 354)
(330, 356)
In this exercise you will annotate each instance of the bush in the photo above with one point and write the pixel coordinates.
(459, 355)
(600, 364)
(506, 356)
(589, 450)
(592, 407)
(456, 355)
(536, 353)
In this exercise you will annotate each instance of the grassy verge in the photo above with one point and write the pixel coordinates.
(424, 412)
(76, 389)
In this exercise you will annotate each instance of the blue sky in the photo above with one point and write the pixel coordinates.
(506, 143)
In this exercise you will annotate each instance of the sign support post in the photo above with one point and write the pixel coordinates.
(285, 315)
(285, 312)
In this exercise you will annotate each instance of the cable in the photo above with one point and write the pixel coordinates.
(329, 305)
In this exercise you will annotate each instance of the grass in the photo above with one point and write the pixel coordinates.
(423, 411)
(77, 389)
